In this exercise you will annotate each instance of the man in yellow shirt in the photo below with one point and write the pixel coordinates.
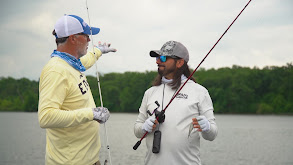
(66, 106)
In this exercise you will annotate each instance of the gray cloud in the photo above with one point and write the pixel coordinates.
(261, 36)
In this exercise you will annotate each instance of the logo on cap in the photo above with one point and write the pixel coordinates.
(168, 48)
(84, 24)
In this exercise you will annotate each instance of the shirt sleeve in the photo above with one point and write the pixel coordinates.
(142, 116)
(90, 58)
(53, 89)
(207, 110)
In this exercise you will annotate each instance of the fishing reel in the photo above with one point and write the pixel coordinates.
(160, 115)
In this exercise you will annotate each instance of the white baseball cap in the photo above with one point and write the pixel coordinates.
(72, 24)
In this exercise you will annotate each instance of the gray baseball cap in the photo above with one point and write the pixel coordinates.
(172, 48)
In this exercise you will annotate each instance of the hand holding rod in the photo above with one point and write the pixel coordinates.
(139, 142)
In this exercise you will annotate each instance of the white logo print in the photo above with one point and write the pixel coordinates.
(167, 49)
(84, 24)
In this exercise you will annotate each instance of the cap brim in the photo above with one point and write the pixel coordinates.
(155, 53)
(94, 31)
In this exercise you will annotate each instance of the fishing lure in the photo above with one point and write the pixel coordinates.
(190, 129)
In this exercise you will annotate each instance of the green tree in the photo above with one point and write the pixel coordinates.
(233, 90)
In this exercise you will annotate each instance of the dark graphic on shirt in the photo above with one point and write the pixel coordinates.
(182, 96)
(83, 86)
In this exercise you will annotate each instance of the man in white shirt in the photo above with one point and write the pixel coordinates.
(188, 116)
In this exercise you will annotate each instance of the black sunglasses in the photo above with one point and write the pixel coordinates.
(83, 35)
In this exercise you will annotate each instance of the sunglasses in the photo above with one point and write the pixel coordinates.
(87, 36)
(164, 58)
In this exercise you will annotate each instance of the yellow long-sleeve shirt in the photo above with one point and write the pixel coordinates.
(65, 110)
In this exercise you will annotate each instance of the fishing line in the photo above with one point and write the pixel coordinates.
(162, 112)
(100, 91)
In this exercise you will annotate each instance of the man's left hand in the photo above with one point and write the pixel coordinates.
(202, 123)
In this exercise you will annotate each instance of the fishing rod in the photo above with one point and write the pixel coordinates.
(100, 91)
(161, 114)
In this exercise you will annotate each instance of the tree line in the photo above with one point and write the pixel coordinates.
(235, 90)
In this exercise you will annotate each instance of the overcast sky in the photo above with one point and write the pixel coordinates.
(262, 35)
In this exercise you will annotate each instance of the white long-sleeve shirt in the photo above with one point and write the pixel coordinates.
(176, 147)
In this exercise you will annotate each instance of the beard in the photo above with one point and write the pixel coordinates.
(82, 49)
(165, 71)
(82, 52)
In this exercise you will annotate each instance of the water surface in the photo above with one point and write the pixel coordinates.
(242, 140)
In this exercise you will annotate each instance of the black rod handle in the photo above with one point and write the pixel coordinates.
(136, 145)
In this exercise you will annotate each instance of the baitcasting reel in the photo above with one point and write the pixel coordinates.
(160, 115)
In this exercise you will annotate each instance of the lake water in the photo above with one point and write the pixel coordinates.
(242, 140)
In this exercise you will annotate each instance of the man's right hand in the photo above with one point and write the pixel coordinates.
(101, 114)
(149, 125)
(105, 48)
